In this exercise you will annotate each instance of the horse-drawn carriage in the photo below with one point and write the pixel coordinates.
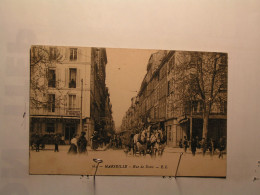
(149, 141)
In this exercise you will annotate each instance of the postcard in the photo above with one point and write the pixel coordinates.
(140, 112)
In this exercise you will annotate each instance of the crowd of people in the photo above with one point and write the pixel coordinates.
(116, 142)
(38, 141)
(205, 145)
(78, 144)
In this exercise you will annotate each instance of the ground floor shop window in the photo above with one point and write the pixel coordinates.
(50, 127)
(36, 127)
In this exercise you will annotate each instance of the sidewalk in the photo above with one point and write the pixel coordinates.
(50, 147)
(174, 150)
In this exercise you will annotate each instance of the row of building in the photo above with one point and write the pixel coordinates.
(68, 93)
(184, 94)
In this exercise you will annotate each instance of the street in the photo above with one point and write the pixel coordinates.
(117, 162)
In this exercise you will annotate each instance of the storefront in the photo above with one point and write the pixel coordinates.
(65, 127)
(176, 131)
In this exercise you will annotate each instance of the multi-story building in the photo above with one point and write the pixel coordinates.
(170, 96)
(67, 90)
(206, 93)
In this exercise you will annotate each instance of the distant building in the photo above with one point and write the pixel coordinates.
(65, 82)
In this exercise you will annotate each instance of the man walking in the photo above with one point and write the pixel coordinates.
(56, 142)
(222, 147)
(82, 143)
(185, 143)
(193, 146)
(204, 146)
(37, 142)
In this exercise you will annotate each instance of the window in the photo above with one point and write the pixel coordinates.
(223, 60)
(193, 59)
(215, 108)
(53, 53)
(171, 64)
(51, 102)
(197, 107)
(223, 77)
(73, 54)
(72, 102)
(170, 87)
(51, 78)
(156, 112)
(169, 132)
(224, 107)
(50, 127)
(72, 79)
(187, 107)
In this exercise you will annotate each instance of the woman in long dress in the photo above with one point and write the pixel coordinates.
(73, 146)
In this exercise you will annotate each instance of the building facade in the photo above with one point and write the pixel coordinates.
(66, 86)
(170, 97)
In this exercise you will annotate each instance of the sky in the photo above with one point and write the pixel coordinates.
(125, 71)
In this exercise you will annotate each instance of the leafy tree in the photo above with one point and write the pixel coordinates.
(42, 60)
(200, 77)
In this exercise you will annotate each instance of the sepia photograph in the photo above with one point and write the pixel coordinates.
(139, 112)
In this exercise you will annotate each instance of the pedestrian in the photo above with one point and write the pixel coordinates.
(211, 146)
(193, 146)
(185, 143)
(32, 141)
(56, 142)
(73, 145)
(180, 143)
(197, 142)
(43, 141)
(94, 140)
(222, 147)
(204, 146)
(37, 142)
(119, 142)
(82, 143)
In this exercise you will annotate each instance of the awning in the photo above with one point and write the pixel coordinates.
(183, 121)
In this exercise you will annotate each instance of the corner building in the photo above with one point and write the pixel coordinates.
(67, 84)
(160, 101)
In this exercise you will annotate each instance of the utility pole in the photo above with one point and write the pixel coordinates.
(81, 105)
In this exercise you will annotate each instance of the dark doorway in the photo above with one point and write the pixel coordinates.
(70, 130)
(217, 128)
(197, 126)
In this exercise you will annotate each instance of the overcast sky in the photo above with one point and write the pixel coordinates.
(125, 71)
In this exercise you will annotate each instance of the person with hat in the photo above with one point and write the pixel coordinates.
(82, 143)
(56, 143)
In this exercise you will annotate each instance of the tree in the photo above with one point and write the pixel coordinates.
(201, 77)
(43, 77)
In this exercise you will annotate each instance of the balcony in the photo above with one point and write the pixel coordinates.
(72, 112)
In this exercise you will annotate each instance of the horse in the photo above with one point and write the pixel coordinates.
(151, 143)
(161, 142)
(140, 143)
(157, 143)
